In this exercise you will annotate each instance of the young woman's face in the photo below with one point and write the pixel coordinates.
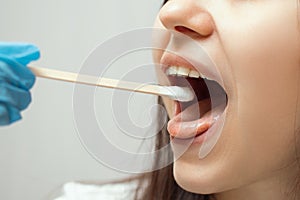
(254, 45)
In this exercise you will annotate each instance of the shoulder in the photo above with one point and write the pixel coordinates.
(116, 191)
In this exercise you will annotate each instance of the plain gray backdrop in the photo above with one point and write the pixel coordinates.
(42, 151)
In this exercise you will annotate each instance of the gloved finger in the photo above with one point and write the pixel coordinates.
(13, 96)
(8, 114)
(15, 73)
(21, 52)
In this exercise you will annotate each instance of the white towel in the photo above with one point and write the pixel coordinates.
(78, 191)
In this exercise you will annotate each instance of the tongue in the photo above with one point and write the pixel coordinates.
(194, 120)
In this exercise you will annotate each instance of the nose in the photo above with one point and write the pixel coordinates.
(188, 17)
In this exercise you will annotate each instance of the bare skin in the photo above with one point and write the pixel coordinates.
(256, 49)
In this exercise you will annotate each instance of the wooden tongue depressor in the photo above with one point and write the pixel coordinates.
(183, 94)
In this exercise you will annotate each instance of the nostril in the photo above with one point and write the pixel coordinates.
(187, 31)
(183, 29)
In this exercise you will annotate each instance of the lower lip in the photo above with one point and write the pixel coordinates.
(205, 136)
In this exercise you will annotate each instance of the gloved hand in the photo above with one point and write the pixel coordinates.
(15, 79)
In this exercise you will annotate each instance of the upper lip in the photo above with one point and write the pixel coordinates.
(173, 59)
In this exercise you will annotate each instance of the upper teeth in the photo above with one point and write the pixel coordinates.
(183, 71)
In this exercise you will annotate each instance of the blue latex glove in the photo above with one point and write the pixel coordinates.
(15, 79)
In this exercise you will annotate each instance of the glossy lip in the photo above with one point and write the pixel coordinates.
(172, 59)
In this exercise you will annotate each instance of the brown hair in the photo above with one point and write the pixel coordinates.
(161, 183)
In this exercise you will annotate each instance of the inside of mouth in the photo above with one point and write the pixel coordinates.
(205, 91)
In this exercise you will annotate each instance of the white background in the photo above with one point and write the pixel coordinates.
(42, 151)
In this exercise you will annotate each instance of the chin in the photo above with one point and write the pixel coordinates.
(200, 180)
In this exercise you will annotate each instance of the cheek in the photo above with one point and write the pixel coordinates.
(264, 60)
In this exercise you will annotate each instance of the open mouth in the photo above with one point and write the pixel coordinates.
(194, 118)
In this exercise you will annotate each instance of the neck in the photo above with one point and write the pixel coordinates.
(281, 185)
